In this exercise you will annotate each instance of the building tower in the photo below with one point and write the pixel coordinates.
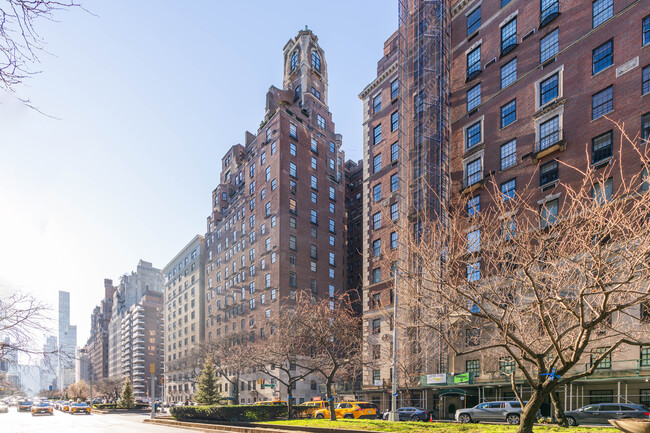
(67, 342)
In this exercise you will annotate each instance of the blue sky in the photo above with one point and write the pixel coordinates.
(145, 97)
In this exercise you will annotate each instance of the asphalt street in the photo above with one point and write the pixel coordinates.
(24, 422)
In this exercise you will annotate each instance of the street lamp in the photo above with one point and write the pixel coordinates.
(393, 416)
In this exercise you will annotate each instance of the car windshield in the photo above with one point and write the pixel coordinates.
(366, 405)
(79, 404)
(42, 404)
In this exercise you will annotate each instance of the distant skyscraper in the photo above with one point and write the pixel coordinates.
(49, 364)
(67, 342)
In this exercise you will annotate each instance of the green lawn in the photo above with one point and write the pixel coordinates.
(434, 427)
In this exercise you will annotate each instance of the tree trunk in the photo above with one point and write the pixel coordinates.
(330, 399)
(559, 412)
(529, 412)
(289, 405)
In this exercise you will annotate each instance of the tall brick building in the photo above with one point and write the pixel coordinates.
(97, 345)
(530, 85)
(278, 214)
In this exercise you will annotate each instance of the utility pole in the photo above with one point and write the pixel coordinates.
(153, 390)
(393, 416)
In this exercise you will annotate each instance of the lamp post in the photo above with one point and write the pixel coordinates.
(393, 416)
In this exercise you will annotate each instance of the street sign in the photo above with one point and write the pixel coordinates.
(268, 385)
(152, 368)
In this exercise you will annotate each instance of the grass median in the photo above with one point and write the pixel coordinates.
(433, 427)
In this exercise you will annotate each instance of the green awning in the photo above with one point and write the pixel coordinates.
(456, 391)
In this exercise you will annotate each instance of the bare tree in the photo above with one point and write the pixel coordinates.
(550, 289)
(20, 42)
(232, 358)
(79, 390)
(109, 388)
(336, 343)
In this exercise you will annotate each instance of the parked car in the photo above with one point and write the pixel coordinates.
(312, 407)
(4, 408)
(350, 410)
(508, 411)
(410, 414)
(65, 406)
(24, 406)
(76, 408)
(599, 413)
(42, 407)
(270, 403)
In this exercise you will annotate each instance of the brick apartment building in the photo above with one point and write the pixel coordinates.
(354, 215)
(530, 84)
(278, 220)
(184, 315)
(97, 346)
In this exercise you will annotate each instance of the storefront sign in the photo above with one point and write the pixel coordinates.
(463, 378)
(433, 379)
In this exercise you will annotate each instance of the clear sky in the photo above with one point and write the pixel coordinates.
(145, 97)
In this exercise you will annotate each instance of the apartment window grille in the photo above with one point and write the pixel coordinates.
(508, 154)
(509, 36)
(548, 173)
(549, 45)
(473, 366)
(549, 133)
(473, 135)
(509, 73)
(602, 56)
(473, 21)
(601, 11)
(474, 97)
(508, 113)
(474, 62)
(548, 89)
(601, 147)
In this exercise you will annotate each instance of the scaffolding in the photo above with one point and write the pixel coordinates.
(424, 70)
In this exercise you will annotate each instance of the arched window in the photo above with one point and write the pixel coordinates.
(294, 60)
(315, 60)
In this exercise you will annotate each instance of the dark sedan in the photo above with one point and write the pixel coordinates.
(411, 414)
(601, 412)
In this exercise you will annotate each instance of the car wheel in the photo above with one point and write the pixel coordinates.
(319, 416)
(512, 419)
(415, 418)
(572, 421)
(348, 416)
(464, 418)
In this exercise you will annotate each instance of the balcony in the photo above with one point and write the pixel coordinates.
(549, 144)
(473, 182)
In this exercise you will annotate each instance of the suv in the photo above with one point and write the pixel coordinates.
(350, 410)
(601, 412)
(311, 407)
(508, 411)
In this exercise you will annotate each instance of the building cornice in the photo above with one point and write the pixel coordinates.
(458, 8)
(380, 79)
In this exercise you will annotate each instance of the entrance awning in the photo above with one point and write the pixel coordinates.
(456, 391)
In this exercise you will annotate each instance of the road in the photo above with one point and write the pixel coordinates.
(24, 422)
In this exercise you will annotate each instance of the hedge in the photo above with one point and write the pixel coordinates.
(114, 406)
(229, 413)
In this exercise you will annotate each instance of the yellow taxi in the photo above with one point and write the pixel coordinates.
(310, 407)
(42, 407)
(350, 410)
(76, 408)
(65, 406)
(270, 403)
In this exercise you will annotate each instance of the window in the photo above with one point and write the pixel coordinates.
(293, 132)
(376, 192)
(313, 251)
(548, 89)
(549, 10)
(315, 60)
(377, 134)
(473, 62)
(292, 170)
(267, 174)
(394, 182)
(332, 259)
(394, 89)
(292, 242)
(376, 103)
(474, 97)
(645, 82)
(293, 279)
(601, 11)
(509, 73)
(509, 36)
(314, 163)
(273, 147)
(332, 148)
(645, 128)
(267, 209)
(548, 173)
(473, 366)
(603, 191)
(314, 145)
(394, 151)
(548, 212)
(474, 272)
(549, 45)
(394, 121)
(332, 193)
(646, 30)
(506, 364)
(549, 133)
(321, 121)
(601, 147)
(473, 172)
(473, 135)
(376, 221)
(473, 21)
(314, 182)
(313, 217)
(508, 154)
(376, 163)
(393, 240)
(508, 113)
(376, 275)
(474, 241)
(606, 363)
(603, 56)
(394, 211)
(508, 189)
(473, 205)
(376, 247)
(292, 206)
(645, 357)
